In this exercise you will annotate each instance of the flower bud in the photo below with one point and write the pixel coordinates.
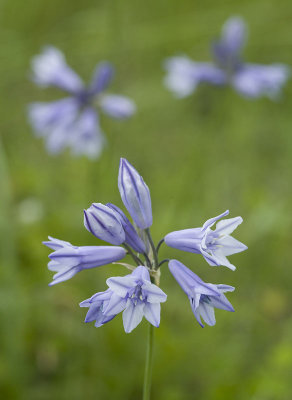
(132, 237)
(135, 194)
(103, 223)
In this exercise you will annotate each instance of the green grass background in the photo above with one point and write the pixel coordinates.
(199, 156)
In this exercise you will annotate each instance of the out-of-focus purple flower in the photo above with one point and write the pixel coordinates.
(72, 122)
(134, 294)
(67, 260)
(135, 194)
(131, 236)
(184, 75)
(102, 222)
(215, 245)
(204, 297)
(250, 80)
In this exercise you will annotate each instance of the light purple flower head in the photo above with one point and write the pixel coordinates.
(102, 222)
(135, 194)
(134, 294)
(67, 260)
(204, 297)
(73, 122)
(215, 245)
(250, 80)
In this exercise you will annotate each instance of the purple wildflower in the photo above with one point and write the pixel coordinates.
(213, 245)
(250, 80)
(135, 194)
(204, 297)
(67, 260)
(137, 295)
(134, 294)
(72, 122)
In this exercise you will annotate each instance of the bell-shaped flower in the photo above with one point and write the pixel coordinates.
(67, 260)
(73, 122)
(97, 304)
(134, 294)
(135, 194)
(204, 297)
(228, 68)
(102, 222)
(131, 235)
(215, 245)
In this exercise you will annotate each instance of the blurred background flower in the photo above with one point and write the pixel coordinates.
(250, 80)
(73, 122)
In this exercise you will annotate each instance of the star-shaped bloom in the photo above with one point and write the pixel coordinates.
(67, 260)
(204, 297)
(73, 122)
(214, 245)
(250, 80)
(134, 294)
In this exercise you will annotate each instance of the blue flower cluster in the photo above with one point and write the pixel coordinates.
(137, 294)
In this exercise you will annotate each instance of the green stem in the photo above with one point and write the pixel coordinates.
(153, 248)
(148, 364)
(133, 255)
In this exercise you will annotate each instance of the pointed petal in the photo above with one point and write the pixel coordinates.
(196, 314)
(94, 312)
(152, 313)
(225, 288)
(56, 244)
(121, 284)
(212, 221)
(227, 226)
(132, 316)
(207, 313)
(115, 305)
(64, 275)
(229, 245)
(154, 293)
(222, 260)
(141, 273)
(222, 303)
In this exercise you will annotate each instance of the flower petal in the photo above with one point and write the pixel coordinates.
(121, 284)
(102, 76)
(132, 316)
(116, 305)
(207, 313)
(50, 68)
(152, 313)
(229, 245)
(212, 221)
(64, 275)
(153, 293)
(119, 107)
(227, 226)
(222, 303)
(254, 80)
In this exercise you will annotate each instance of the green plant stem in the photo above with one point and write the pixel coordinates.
(133, 255)
(155, 256)
(148, 364)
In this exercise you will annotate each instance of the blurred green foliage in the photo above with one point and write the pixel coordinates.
(199, 156)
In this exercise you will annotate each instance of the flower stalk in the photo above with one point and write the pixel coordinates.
(148, 364)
